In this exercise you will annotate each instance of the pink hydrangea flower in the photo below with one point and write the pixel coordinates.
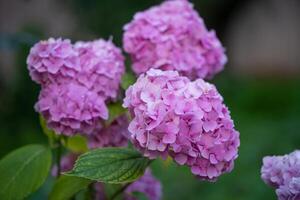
(172, 36)
(77, 80)
(186, 120)
(283, 173)
(71, 108)
(115, 135)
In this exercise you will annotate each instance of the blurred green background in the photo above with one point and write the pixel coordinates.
(260, 84)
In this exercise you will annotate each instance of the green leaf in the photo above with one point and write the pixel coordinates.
(115, 110)
(23, 171)
(67, 186)
(77, 144)
(127, 80)
(110, 165)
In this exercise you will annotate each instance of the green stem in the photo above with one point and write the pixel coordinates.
(90, 191)
(58, 156)
(119, 191)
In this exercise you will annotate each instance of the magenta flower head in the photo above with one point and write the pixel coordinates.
(283, 173)
(51, 60)
(172, 36)
(115, 135)
(71, 108)
(186, 120)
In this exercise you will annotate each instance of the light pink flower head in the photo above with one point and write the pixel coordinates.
(71, 108)
(172, 36)
(283, 173)
(115, 135)
(186, 120)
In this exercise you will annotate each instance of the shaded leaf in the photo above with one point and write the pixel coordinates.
(23, 171)
(76, 143)
(115, 110)
(110, 165)
(167, 162)
(67, 186)
(127, 80)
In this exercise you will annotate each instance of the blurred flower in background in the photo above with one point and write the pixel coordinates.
(283, 173)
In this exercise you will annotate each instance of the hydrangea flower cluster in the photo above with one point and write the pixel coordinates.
(147, 184)
(115, 135)
(172, 36)
(77, 80)
(283, 173)
(186, 120)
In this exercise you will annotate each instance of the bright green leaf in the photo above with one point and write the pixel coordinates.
(77, 144)
(110, 165)
(67, 186)
(127, 80)
(23, 171)
(115, 110)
